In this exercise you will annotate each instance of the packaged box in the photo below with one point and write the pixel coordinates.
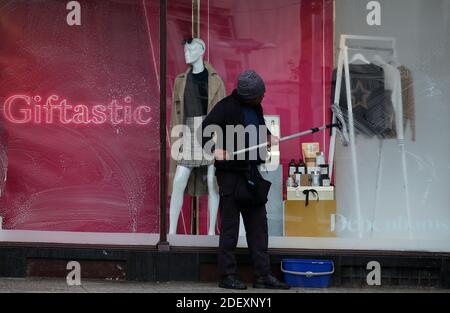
(305, 180)
(323, 193)
(314, 220)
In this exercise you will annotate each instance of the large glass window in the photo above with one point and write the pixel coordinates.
(402, 167)
(79, 93)
(80, 118)
(383, 186)
(290, 44)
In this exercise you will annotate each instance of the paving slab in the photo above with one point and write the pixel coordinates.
(45, 285)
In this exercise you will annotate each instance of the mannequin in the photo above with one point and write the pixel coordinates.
(202, 82)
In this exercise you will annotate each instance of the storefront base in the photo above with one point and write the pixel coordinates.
(398, 269)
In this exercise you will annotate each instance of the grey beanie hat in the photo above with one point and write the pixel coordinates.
(250, 85)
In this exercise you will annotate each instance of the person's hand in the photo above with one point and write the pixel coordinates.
(273, 141)
(221, 155)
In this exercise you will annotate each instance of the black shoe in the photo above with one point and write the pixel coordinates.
(270, 282)
(232, 282)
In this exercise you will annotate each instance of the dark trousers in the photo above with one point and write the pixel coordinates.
(255, 222)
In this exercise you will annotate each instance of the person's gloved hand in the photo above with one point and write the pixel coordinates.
(221, 155)
(272, 141)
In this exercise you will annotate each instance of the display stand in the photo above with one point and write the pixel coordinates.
(343, 64)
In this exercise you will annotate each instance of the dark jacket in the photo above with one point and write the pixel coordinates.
(228, 111)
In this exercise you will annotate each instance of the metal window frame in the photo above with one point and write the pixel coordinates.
(163, 244)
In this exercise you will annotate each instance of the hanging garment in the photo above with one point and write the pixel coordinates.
(409, 105)
(392, 80)
(195, 110)
(197, 184)
(371, 104)
(399, 80)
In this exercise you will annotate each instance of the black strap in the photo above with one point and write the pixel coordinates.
(307, 192)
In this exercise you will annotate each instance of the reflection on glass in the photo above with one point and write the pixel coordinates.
(80, 107)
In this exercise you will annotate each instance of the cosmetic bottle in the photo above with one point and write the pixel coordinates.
(292, 168)
(297, 178)
(316, 179)
(326, 182)
(324, 169)
(320, 159)
(301, 167)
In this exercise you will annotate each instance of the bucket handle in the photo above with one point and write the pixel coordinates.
(307, 274)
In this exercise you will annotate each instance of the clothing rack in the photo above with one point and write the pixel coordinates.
(343, 64)
(370, 48)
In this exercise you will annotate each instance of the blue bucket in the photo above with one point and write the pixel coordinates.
(307, 273)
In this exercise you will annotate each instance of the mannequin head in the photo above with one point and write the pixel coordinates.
(194, 50)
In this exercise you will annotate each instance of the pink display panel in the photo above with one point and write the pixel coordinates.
(80, 108)
(289, 43)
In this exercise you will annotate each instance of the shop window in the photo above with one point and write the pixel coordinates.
(387, 185)
(94, 167)
(290, 44)
(403, 165)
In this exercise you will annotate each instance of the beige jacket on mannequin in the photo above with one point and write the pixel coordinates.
(197, 184)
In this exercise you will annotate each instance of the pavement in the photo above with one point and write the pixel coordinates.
(45, 285)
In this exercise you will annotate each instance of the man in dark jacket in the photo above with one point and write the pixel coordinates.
(241, 108)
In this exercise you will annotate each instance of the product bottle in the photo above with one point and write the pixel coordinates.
(326, 182)
(316, 179)
(320, 159)
(292, 168)
(324, 169)
(289, 182)
(297, 178)
(301, 167)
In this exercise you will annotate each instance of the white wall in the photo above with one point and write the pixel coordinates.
(422, 29)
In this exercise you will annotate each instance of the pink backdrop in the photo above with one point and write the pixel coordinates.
(100, 178)
(289, 43)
